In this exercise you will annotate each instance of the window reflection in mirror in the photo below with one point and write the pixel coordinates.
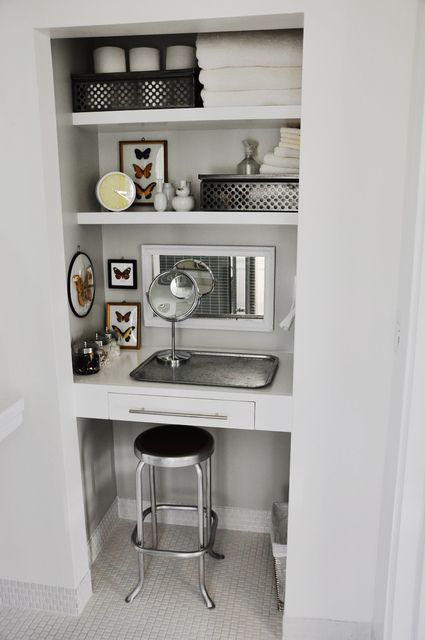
(239, 285)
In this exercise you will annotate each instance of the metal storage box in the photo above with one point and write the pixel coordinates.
(249, 193)
(136, 90)
(279, 532)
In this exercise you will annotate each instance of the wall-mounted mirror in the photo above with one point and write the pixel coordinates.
(243, 294)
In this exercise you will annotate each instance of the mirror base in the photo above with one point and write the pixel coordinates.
(166, 357)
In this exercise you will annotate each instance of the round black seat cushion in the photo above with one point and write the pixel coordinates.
(174, 445)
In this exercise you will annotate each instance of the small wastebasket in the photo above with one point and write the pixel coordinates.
(279, 533)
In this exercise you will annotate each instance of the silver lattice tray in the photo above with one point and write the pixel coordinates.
(242, 370)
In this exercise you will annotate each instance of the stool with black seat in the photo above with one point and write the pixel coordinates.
(175, 446)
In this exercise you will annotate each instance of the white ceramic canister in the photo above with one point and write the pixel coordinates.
(170, 192)
(144, 59)
(109, 60)
(180, 57)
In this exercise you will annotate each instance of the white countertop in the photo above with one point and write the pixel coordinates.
(116, 378)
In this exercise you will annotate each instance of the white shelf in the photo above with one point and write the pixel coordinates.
(187, 217)
(189, 118)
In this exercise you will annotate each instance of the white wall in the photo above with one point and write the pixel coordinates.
(356, 92)
(355, 108)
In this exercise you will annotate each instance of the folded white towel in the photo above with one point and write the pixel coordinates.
(290, 131)
(250, 49)
(289, 144)
(280, 171)
(250, 98)
(250, 78)
(277, 161)
(286, 152)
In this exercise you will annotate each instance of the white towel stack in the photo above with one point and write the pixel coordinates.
(250, 68)
(285, 158)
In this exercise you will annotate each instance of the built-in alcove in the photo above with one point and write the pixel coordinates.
(251, 469)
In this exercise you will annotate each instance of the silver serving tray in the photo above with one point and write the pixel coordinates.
(211, 368)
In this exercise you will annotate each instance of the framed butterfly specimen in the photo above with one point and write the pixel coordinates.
(122, 274)
(81, 284)
(145, 161)
(123, 318)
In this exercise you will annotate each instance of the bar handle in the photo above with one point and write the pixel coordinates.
(176, 414)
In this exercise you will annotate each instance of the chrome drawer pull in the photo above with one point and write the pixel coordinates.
(175, 414)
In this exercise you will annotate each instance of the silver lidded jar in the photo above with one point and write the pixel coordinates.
(85, 358)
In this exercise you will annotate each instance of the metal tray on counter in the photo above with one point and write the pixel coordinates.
(212, 368)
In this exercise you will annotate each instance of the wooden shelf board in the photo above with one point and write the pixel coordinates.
(187, 217)
(190, 118)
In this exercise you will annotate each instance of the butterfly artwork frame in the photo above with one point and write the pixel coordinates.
(122, 274)
(81, 284)
(124, 319)
(146, 162)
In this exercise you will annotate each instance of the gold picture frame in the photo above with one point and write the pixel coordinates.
(124, 318)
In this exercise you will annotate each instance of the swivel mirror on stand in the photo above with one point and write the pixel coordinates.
(174, 295)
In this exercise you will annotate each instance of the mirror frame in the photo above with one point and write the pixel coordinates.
(231, 324)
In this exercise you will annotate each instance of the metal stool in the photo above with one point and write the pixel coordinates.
(175, 446)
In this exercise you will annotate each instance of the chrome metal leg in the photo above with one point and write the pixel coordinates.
(210, 604)
(212, 553)
(139, 515)
(152, 487)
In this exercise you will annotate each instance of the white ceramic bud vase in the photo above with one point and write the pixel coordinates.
(170, 192)
(160, 200)
(183, 201)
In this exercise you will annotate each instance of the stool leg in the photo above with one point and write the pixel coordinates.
(210, 604)
(212, 553)
(139, 515)
(152, 487)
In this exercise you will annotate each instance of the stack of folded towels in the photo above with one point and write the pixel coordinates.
(251, 68)
(285, 158)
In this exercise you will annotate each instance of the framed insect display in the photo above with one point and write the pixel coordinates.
(81, 284)
(123, 318)
(122, 274)
(145, 161)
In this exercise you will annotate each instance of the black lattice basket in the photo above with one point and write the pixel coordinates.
(136, 90)
(249, 193)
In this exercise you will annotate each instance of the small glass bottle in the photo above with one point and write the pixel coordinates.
(249, 166)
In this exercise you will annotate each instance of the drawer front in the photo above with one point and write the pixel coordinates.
(192, 411)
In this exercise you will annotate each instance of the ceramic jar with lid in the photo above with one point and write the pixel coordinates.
(103, 342)
(85, 358)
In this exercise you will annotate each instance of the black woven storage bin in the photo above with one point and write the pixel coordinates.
(136, 90)
(249, 193)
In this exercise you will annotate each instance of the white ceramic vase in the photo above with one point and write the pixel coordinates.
(160, 201)
(170, 192)
(183, 203)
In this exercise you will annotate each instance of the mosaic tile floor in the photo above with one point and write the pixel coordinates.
(170, 606)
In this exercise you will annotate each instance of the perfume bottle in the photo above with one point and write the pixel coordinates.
(249, 166)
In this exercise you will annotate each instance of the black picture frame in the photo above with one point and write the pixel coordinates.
(81, 284)
(122, 274)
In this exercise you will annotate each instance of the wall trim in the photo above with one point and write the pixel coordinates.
(317, 629)
(233, 518)
(102, 531)
(29, 595)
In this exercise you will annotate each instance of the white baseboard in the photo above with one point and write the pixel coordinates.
(316, 629)
(233, 518)
(28, 595)
(103, 531)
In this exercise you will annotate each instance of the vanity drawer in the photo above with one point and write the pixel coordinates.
(171, 410)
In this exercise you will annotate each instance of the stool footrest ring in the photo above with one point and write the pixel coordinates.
(172, 552)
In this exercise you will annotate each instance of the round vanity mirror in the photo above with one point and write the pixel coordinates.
(173, 296)
(200, 272)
